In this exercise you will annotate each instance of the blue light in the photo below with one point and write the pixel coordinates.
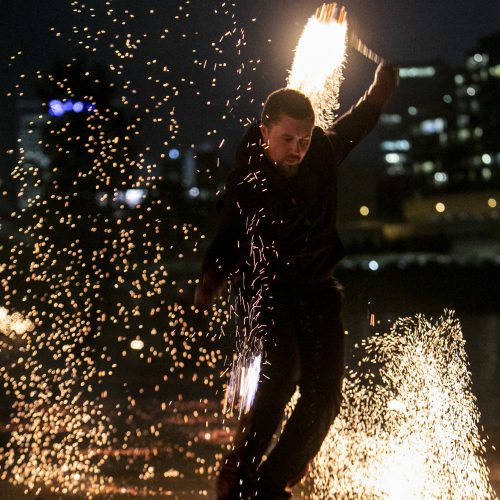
(68, 105)
(174, 154)
(373, 265)
(59, 108)
(78, 107)
(56, 108)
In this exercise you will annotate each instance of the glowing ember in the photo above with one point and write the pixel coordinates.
(318, 65)
(101, 250)
(243, 383)
(14, 323)
(408, 427)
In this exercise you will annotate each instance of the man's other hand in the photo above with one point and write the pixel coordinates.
(384, 84)
(387, 76)
(211, 287)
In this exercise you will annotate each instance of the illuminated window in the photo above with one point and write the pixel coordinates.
(391, 119)
(463, 134)
(463, 121)
(393, 158)
(486, 159)
(495, 71)
(399, 145)
(433, 126)
(486, 173)
(440, 177)
(428, 166)
(425, 72)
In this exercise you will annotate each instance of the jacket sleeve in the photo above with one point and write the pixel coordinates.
(353, 126)
(225, 252)
(348, 130)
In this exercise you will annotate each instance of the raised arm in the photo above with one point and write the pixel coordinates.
(350, 128)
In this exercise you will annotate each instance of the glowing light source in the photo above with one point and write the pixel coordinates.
(137, 345)
(78, 107)
(174, 154)
(486, 159)
(440, 177)
(59, 108)
(393, 158)
(492, 203)
(423, 72)
(243, 383)
(364, 211)
(440, 207)
(408, 426)
(133, 197)
(373, 265)
(317, 66)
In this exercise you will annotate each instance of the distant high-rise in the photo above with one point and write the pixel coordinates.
(440, 134)
(31, 120)
(413, 134)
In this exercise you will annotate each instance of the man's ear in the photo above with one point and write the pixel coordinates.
(264, 130)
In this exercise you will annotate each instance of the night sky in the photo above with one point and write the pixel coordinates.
(402, 31)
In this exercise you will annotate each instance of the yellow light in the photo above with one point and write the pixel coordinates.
(364, 211)
(492, 203)
(137, 344)
(317, 66)
(440, 207)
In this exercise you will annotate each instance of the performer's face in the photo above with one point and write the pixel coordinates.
(287, 140)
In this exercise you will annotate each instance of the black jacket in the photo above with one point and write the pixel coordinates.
(289, 222)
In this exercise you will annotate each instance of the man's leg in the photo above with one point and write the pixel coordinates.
(321, 341)
(278, 379)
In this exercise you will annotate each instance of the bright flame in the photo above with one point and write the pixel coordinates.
(318, 64)
(243, 383)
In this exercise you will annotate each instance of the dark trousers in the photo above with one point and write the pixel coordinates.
(304, 346)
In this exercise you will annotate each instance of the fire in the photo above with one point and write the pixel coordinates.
(317, 69)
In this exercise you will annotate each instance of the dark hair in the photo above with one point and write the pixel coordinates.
(288, 102)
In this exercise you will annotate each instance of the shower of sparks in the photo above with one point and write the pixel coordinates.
(408, 427)
(317, 68)
(14, 324)
(104, 256)
(243, 383)
(250, 326)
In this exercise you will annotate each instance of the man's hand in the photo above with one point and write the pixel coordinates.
(211, 287)
(384, 84)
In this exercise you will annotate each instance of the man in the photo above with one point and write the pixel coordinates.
(283, 194)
